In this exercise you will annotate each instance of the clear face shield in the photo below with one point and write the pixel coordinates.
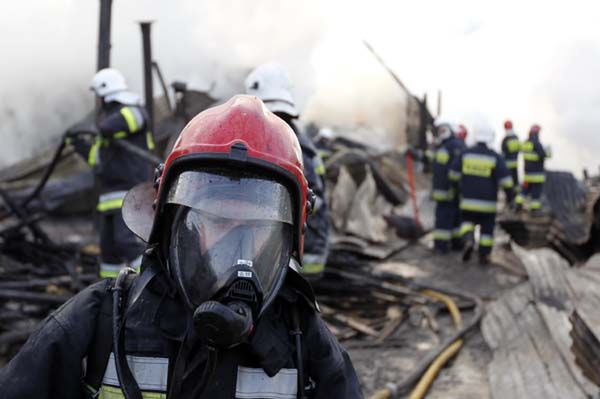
(229, 228)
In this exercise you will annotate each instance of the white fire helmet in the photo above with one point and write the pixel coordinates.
(483, 131)
(110, 84)
(271, 83)
(445, 127)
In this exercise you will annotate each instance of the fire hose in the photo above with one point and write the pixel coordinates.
(125, 145)
(427, 369)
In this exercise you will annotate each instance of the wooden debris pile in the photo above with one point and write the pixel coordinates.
(528, 330)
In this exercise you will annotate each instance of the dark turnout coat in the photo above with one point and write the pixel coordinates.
(52, 362)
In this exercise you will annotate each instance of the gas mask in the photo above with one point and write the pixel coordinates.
(230, 245)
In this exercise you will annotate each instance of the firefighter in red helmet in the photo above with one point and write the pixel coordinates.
(511, 147)
(462, 133)
(534, 155)
(219, 309)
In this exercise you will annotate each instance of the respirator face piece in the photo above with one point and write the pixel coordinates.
(230, 245)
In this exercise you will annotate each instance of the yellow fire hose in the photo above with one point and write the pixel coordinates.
(434, 368)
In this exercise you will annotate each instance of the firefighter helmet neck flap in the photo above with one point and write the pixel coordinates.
(229, 213)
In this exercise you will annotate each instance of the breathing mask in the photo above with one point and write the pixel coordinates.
(229, 248)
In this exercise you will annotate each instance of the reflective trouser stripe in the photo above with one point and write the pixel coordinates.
(111, 201)
(255, 383)
(111, 270)
(313, 263)
(312, 268)
(466, 227)
(474, 205)
(535, 178)
(454, 175)
(512, 164)
(519, 199)
(442, 235)
(507, 182)
(456, 233)
(535, 204)
(486, 240)
(443, 195)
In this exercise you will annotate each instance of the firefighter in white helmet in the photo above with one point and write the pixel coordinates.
(121, 117)
(271, 83)
(479, 172)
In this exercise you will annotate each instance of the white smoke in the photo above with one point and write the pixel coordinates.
(533, 62)
(50, 55)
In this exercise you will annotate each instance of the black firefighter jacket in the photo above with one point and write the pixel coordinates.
(115, 168)
(51, 363)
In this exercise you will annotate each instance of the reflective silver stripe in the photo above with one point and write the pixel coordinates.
(151, 373)
(475, 205)
(314, 258)
(255, 383)
(113, 195)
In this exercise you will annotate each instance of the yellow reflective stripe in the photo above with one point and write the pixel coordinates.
(531, 156)
(319, 166)
(312, 268)
(442, 235)
(477, 167)
(109, 205)
(454, 175)
(507, 182)
(535, 205)
(120, 135)
(456, 233)
(93, 154)
(486, 241)
(443, 195)
(442, 157)
(130, 119)
(478, 205)
(108, 274)
(519, 199)
(512, 164)
(466, 227)
(527, 146)
(150, 140)
(513, 145)
(108, 392)
(535, 178)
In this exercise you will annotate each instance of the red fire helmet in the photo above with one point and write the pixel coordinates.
(240, 134)
(462, 132)
(508, 124)
(535, 129)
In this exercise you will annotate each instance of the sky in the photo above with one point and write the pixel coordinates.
(530, 61)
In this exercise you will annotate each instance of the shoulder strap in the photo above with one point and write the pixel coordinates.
(102, 343)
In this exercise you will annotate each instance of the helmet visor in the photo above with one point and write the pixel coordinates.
(227, 224)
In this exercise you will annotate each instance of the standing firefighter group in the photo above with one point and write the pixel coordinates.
(466, 181)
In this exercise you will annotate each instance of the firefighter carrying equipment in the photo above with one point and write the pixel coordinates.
(116, 171)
